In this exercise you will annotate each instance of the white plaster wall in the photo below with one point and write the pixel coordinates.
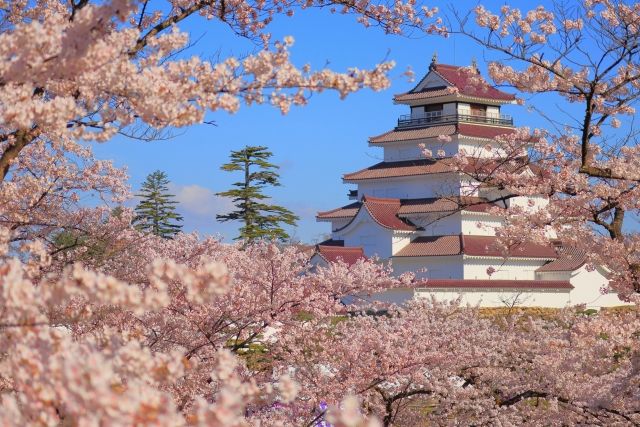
(365, 232)
(400, 239)
(464, 109)
(469, 187)
(409, 150)
(511, 269)
(440, 267)
(493, 111)
(476, 148)
(435, 185)
(531, 203)
(488, 228)
(403, 152)
(499, 297)
(339, 223)
(553, 275)
(586, 289)
(437, 224)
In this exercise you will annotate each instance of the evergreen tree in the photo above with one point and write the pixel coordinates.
(261, 220)
(156, 212)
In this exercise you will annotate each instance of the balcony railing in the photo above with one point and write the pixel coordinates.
(436, 118)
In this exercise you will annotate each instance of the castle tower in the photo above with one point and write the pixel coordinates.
(423, 213)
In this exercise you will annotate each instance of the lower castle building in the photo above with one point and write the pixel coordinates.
(425, 216)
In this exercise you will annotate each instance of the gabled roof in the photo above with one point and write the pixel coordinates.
(384, 212)
(349, 255)
(402, 168)
(461, 129)
(494, 284)
(570, 259)
(484, 246)
(347, 211)
(463, 81)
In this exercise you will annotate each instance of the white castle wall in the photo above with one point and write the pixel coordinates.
(440, 267)
(416, 187)
(400, 239)
(586, 290)
(499, 297)
(511, 269)
(478, 224)
(365, 232)
(447, 224)
(587, 287)
(464, 109)
(398, 153)
(409, 150)
(339, 223)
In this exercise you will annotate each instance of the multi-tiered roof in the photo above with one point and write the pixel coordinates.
(450, 103)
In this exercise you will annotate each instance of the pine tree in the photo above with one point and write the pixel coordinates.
(261, 220)
(156, 212)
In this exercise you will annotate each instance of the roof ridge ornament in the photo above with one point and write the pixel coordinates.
(474, 65)
(434, 61)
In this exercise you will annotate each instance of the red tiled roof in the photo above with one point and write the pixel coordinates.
(411, 134)
(494, 284)
(485, 246)
(463, 129)
(464, 79)
(474, 166)
(570, 259)
(479, 131)
(432, 92)
(417, 206)
(403, 168)
(349, 255)
(444, 204)
(432, 246)
(384, 212)
(347, 211)
(473, 246)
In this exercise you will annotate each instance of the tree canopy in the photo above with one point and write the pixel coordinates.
(261, 220)
(156, 211)
(191, 331)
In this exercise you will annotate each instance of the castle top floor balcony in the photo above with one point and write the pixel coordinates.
(436, 118)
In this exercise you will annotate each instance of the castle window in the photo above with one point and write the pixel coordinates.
(478, 110)
(433, 107)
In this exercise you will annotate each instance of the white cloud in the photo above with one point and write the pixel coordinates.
(200, 201)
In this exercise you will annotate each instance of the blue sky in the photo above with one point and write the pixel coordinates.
(314, 145)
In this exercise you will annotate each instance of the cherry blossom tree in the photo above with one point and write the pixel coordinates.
(79, 71)
(100, 324)
(585, 57)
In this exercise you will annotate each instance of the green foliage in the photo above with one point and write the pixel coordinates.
(261, 220)
(156, 212)
(589, 312)
(90, 248)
